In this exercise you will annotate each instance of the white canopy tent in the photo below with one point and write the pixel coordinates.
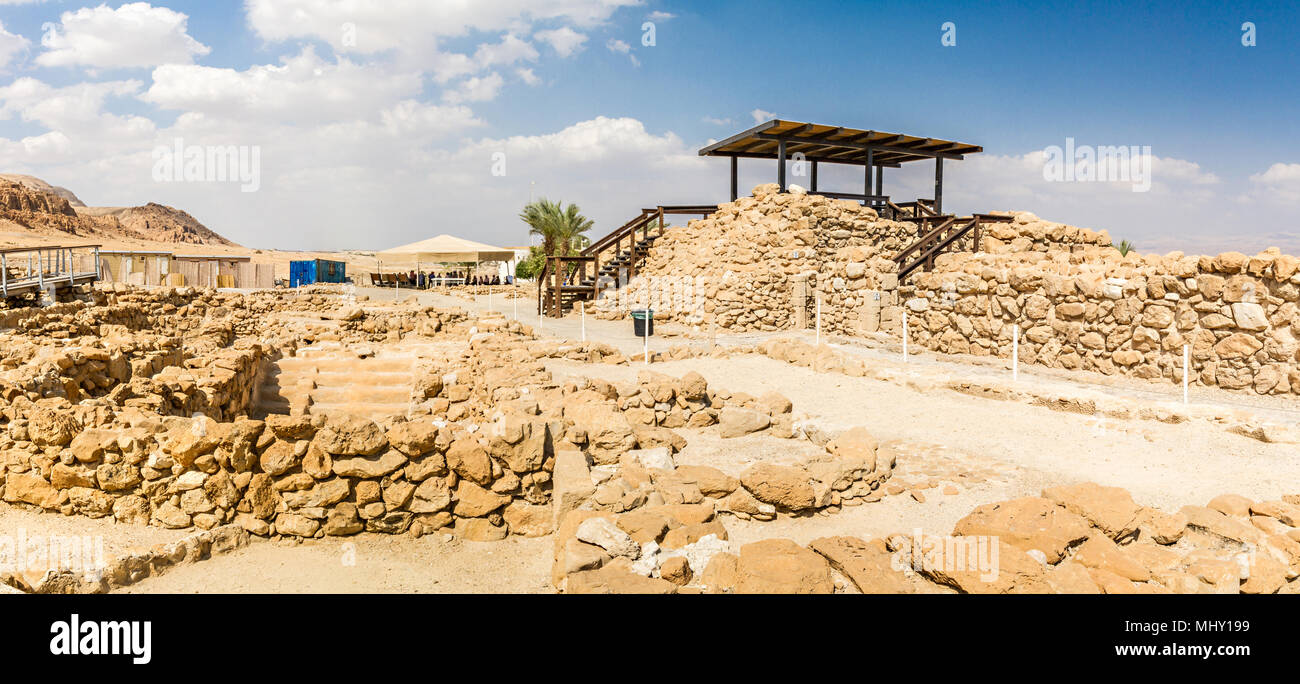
(445, 249)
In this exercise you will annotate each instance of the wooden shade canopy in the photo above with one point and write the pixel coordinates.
(818, 143)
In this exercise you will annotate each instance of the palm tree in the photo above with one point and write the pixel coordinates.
(561, 228)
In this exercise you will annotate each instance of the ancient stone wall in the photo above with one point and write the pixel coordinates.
(1093, 310)
(739, 261)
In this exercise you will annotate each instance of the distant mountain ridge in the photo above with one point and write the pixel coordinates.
(41, 207)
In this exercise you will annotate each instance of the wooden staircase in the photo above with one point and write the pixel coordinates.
(609, 262)
(939, 233)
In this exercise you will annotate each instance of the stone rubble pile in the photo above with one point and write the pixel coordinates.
(1075, 539)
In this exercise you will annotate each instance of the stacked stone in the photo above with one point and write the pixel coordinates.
(740, 260)
(1094, 310)
(297, 476)
(1028, 233)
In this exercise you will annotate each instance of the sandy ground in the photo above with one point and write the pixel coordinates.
(368, 563)
(1161, 464)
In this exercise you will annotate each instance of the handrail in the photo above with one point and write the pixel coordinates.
(924, 240)
(613, 242)
(929, 251)
(616, 234)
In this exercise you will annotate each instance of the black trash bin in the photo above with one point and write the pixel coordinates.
(643, 322)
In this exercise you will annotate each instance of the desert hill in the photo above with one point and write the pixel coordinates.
(45, 209)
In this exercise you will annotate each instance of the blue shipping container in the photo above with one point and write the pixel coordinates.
(317, 271)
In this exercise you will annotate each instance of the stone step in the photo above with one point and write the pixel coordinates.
(291, 379)
(342, 365)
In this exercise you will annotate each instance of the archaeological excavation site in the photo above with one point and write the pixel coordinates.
(795, 392)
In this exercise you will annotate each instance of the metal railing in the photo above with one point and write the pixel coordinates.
(24, 270)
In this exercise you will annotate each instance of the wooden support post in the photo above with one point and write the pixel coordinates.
(780, 164)
(735, 181)
(938, 185)
(814, 176)
(866, 183)
(880, 180)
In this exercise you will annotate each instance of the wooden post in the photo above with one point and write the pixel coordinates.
(814, 176)
(938, 185)
(559, 284)
(866, 184)
(780, 164)
(735, 182)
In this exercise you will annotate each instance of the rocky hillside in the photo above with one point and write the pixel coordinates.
(158, 223)
(43, 208)
(39, 185)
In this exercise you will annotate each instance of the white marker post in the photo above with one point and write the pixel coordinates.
(584, 321)
(1015, 353)
(1187, 363)
(904, 336)
(489, 297)
(646, 339)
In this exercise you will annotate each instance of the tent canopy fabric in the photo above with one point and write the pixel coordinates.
(446, 249)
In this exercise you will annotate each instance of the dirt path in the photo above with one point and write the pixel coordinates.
(1161, 464)
(365, 564)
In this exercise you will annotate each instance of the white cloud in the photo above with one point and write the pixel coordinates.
(1279, 183)
(476, 89)
(133, 35)
(661, 16)
(527, 76)
(447, 66)
(408, 25)
(416, 119)
(761, 116)
(716, 121)
(616, 45)
(565, 41)
(11, 45)
(511, 49)
(303, 89)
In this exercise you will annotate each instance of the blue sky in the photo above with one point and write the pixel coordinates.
(614, 126)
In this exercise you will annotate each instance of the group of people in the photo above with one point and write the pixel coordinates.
(426, 280)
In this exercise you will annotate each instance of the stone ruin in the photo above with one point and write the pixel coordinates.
(771, 262)
(148, 407)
